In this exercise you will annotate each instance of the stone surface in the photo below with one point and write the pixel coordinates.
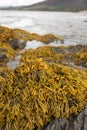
(73, 123)
(18, 44)
(13, 64)
(2, 57)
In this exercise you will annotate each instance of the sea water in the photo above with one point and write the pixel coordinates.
(71, 26)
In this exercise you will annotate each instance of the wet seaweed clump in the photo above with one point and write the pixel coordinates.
(81, 58)
(72, 56)
(48, 38)
(6, 53)
(44, 86)
(5, 34)
(46, 53)
(8, 35)
(35, 92)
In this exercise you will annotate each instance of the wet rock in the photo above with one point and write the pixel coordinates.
(3, 57)
(69, 50)
(62, 41)
(77, 48)
(58, 50)
(3, 50)
(84, 64)
(13, 64)
(57, 124)
(73, 123)
(18, 44)
(85, 21)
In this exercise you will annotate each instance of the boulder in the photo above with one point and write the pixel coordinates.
(3, 57)
(18, 44)
(73, 123)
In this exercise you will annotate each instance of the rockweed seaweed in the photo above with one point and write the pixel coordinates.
(69, 56)
(43, 86)
(7, 34)
(81, 58)
(35, 92)
(6, 53)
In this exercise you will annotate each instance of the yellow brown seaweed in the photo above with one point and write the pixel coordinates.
(42, 87)
(69, 56)
(81, 57)
(6, 53)
(7, 35)
(35, 92)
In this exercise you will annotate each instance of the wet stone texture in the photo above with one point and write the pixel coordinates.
(73, 123)
(3, 58)
(18, 44)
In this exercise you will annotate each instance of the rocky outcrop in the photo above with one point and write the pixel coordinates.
(18, 44)
(73, 123)
(3, 58)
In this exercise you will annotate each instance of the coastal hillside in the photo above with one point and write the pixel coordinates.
(59, 5)
(53, 5)
(67, 3)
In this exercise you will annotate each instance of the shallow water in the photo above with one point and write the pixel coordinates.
(71, 26)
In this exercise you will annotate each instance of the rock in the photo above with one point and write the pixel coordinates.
(84, 64)
(18, 44)
(2, 57)
(3, 50)
(73, 123)
(62, 41)
(13, 64)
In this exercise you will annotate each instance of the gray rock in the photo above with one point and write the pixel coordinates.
(62, 41)
(73, 123)
(18, 44)
(3, 50)
(13, 64)
(2, 57)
